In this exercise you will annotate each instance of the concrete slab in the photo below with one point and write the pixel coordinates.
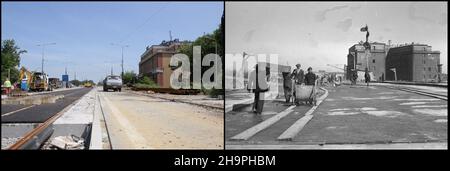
(80, 113)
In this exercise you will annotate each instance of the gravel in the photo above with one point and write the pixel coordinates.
(6, 142)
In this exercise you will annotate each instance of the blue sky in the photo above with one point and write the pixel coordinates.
(83, 32)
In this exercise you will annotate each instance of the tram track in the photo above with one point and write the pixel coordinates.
(40, 132)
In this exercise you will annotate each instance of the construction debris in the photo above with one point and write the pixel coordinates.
(71, 142)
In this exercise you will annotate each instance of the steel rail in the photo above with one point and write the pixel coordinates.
(40, 128)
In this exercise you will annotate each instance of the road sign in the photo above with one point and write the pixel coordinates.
(65, 78)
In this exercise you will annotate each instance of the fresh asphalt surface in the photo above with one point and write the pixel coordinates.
(41, 113)
(349, 115)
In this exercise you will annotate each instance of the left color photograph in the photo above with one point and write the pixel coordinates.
(112, 75)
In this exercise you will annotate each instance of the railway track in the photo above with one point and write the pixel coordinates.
(421, 92)
(41, 132)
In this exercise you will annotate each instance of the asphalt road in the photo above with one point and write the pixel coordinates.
(351, 115)
(40, 113)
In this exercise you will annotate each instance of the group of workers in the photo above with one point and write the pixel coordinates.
(262, 86)
(299, 78)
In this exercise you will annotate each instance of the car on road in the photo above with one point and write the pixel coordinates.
(88, 85)
(113, 82)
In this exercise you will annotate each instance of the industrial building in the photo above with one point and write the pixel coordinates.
(156, 59)
(413, 62)
(374, 61)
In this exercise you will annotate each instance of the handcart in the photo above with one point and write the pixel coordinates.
(306, 93)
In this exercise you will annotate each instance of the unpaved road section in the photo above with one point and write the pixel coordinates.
(141, 122)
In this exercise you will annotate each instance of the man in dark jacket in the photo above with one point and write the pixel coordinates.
(298, 74)
(258, 89)
(310, 77)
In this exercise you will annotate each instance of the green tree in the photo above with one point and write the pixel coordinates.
(145, 82)
(208, 43)
(129, 77)
(10, 60)
(75, 82)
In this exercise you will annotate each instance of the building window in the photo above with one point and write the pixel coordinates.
(423, 61)
(425, 69)
(429, 69)
(373, 61)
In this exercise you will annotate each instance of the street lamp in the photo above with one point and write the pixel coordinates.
(43, 47)
(121, 46)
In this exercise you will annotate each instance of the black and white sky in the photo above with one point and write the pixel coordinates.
(319, 33)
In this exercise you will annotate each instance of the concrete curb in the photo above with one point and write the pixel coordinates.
(96, 132)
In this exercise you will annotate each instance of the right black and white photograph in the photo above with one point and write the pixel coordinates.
(336, 75)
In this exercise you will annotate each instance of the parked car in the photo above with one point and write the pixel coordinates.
(113, 82)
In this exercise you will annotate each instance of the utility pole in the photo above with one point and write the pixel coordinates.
(43, 49)
(122, 46)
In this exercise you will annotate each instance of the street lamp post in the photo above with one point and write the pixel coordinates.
(43, 48)
(121, 46)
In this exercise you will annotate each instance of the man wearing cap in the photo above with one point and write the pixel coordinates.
(298, 74)
(298, 77)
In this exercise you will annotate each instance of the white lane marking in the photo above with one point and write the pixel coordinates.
(434, 112)
(413, 103)
(263, 125)
(415, 99)
(426, 106)
(441, 120)
(339, 113)
(342, 109)
(385, 113)
(295, 128)
(10, 113)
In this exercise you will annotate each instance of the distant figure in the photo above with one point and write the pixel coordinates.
(7, 85)
(355, 77)
(310, 77)
(367, 76)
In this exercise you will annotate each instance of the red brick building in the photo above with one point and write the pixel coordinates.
(156, 59)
